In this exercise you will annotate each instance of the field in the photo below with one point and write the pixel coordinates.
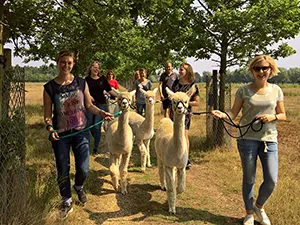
(213, 193)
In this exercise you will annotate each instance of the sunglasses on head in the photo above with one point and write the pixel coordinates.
(259, 68)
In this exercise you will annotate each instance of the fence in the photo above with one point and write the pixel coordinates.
(12, 145)
(214, 130)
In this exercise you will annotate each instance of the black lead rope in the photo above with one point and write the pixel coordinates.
(239, 127)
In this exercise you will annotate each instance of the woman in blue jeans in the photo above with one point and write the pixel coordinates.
(97, 84)
(264, 101)
(66, 100)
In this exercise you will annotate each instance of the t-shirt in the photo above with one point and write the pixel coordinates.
(114, 84)
(69, 110)
(97, 86)
(258, 104)
(140, 98)
(167, 81)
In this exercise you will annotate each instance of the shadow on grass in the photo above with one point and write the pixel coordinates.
(138, 201)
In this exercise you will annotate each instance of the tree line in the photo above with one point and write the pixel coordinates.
(45, 73)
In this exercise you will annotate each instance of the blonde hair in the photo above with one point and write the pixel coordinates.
(88, 71)
(189, 72)
(269, 59)
(65, 53)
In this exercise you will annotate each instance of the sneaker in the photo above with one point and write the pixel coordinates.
(95, 152)
(188, 165)
(65, 210)
(261, 214)
(249, 219)
(81, 195)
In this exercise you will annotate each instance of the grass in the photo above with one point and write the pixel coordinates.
(213, 194)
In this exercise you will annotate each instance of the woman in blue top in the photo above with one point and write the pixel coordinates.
(67, 98)
(263, 101)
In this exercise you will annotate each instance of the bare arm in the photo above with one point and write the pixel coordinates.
(233, 112)
(160, 90)
(48, 116)
(195, 102)
(279, 115)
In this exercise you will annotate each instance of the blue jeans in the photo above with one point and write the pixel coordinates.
(249, 150)
(140, 107)
(80, 144)
(96, 130)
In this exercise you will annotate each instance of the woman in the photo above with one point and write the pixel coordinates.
(145, 84)
(67, 97)
(186, 84)
(97, 84)
(111, 77)
(263, 101)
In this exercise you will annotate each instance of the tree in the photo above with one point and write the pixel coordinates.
(294, 75)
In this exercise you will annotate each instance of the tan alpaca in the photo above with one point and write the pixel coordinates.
(119, 137)
(143, 128)
(171, 149)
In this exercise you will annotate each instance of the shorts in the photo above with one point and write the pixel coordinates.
(166, 103)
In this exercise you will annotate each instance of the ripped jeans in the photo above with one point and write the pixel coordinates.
(249, 151)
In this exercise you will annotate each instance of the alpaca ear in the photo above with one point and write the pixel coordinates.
(191, 91)
(116, 91)
(141, 89)
(170, 93)
(155, 90)
(132, 93)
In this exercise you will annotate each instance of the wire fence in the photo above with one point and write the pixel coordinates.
(12, 145)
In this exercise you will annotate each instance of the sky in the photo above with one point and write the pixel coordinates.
(204, 65)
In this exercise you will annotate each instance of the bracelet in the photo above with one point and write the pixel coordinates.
(49, 125)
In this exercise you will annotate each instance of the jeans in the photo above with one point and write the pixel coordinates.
(249, 150)
(140, 108)
(96, 130)
(80, 144)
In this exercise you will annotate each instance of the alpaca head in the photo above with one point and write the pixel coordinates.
(124, 100)
(149, 96)
(180, 101)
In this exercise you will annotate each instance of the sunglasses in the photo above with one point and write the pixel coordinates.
(259, 68)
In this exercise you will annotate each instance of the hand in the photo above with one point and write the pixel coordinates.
(106, 116)
(162, 97)
(266, 118)
(218, 114)
(53, 136)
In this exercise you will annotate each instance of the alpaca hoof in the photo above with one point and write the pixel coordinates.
(143, 170)
(179, 190)
(172, 213)
(124, 192)
(149, 165)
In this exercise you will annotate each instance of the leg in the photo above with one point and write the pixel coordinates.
(143, 152)
(147, 145)
(181, 174)
(96, 130)
(139, 108)
(114, 170)
(161, 174)
(269, 161)
(80, 147)
(248, 150)
(171, 189)
(62, 157)
(123, 168)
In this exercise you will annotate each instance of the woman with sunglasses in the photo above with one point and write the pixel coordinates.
(66, 100)
(263, 101)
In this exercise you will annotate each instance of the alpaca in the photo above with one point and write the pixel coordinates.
(119, 137)
(143, 128)
(171, 149)
(112, 105)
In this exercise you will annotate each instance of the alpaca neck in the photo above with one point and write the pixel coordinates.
(123, 124)
(149, 117)
(179, 140)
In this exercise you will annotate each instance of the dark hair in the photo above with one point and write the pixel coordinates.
(108, 73)
(65, 53)
(189, 71)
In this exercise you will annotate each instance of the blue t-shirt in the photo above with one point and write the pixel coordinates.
(140, 98)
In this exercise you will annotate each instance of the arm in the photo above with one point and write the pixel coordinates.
(279, 115)
(92, 108)
(160, 90)
(48, 116)
(195, 101)
(233, 112)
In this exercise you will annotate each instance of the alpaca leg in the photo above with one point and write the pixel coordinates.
(143, 152)
(171, 189)
(147, 144)
(114, 170)
(181, 174)
(161, 174)
(123, 169)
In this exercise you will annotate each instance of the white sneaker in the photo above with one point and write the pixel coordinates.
(263, 218)
(249, 219)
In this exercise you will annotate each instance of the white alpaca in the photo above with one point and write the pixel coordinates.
(171, 149)
(143, 128)
(119, 137)
(112, 105)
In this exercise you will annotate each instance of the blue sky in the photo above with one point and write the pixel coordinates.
(207, 65)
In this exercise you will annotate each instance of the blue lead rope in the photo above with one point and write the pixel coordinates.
(85, 129)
